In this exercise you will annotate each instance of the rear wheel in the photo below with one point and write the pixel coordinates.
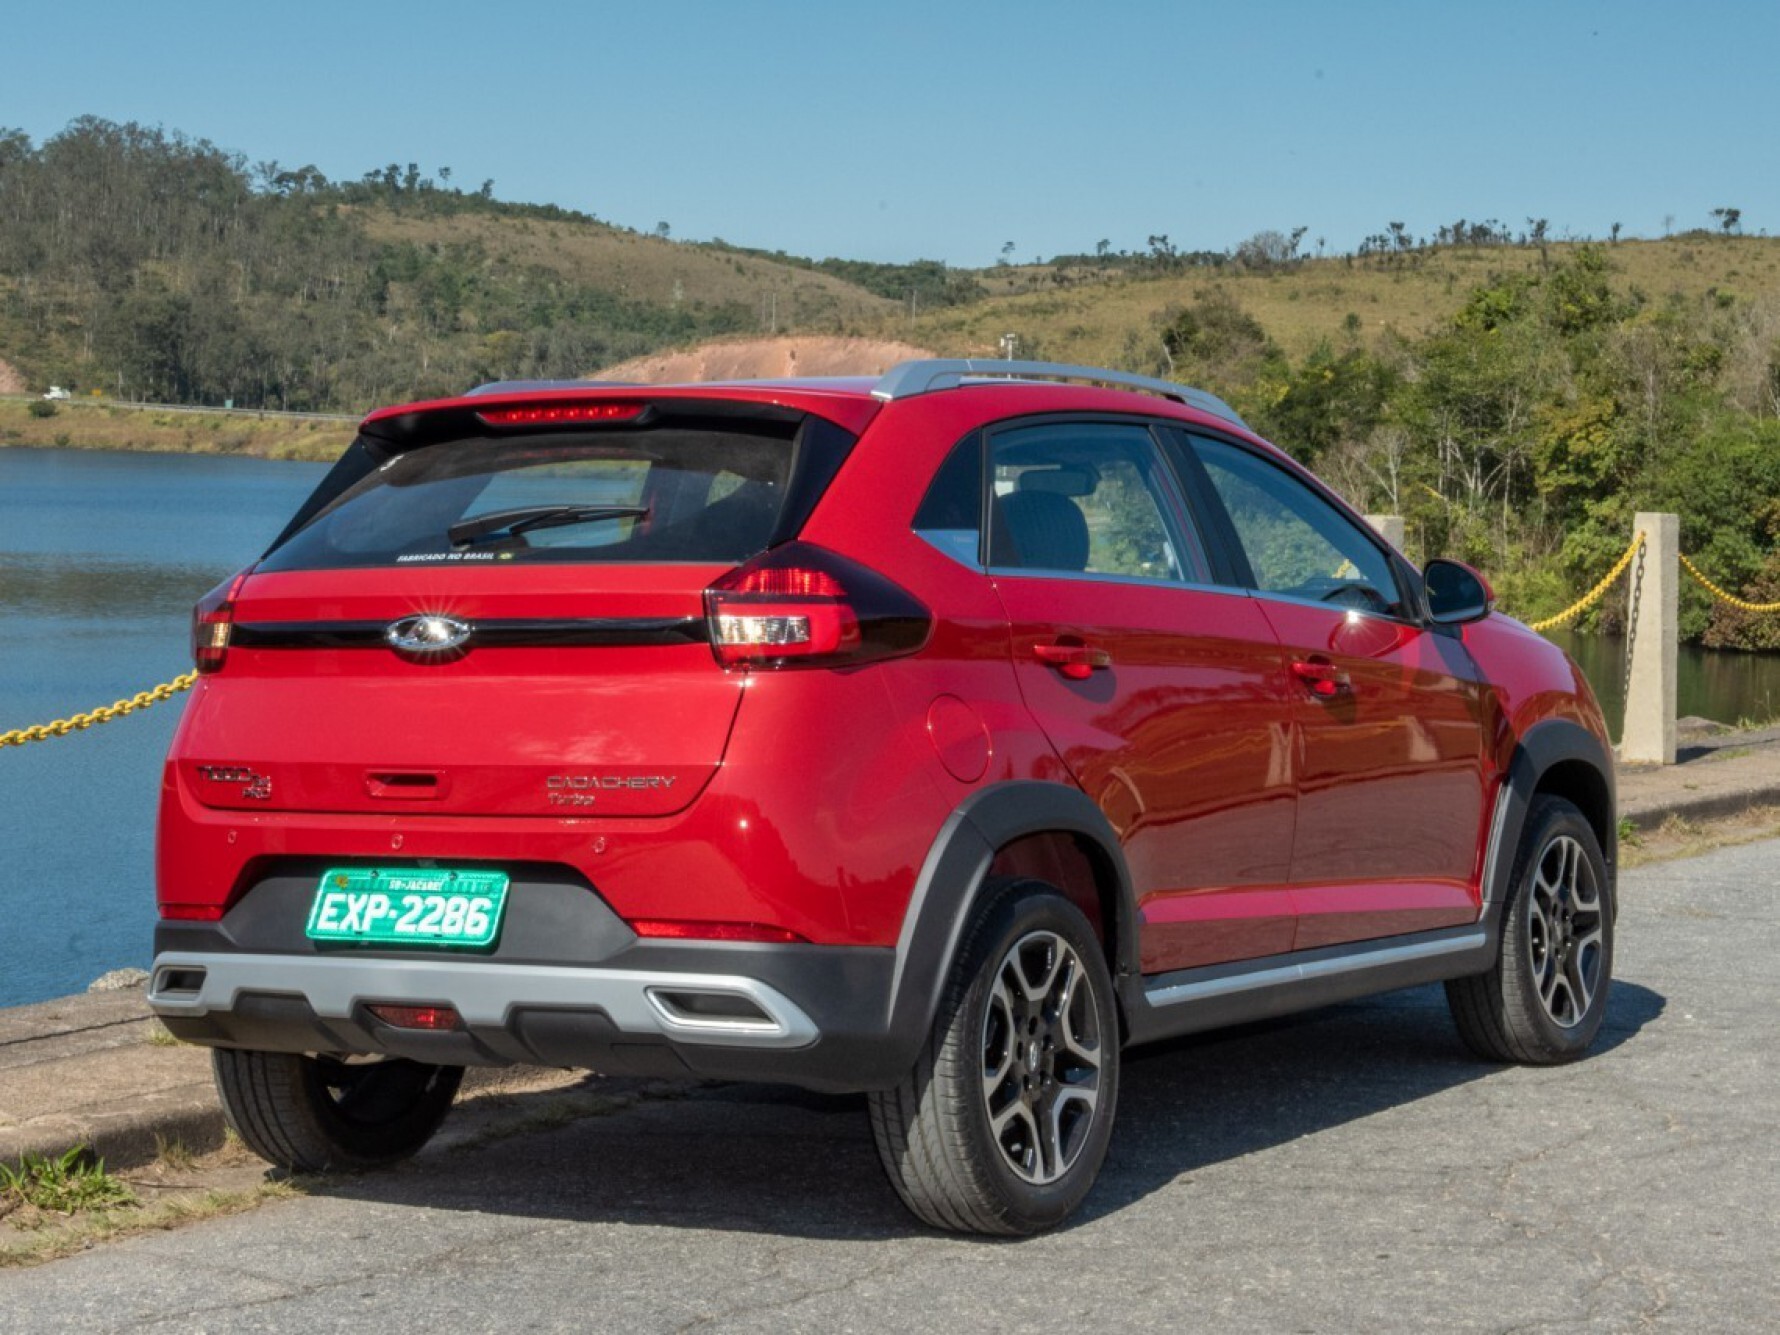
(315, 1114)
(1002, 1125)
(1544, 1000)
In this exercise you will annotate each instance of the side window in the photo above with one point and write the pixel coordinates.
(951, 514)
(1297, 544)
(1086, 496)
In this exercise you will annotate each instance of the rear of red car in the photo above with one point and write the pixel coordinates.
(457, 780)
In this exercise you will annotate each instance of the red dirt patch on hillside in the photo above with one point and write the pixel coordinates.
(765, 359)
(11, 382)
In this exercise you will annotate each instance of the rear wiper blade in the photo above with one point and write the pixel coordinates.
(510, 523)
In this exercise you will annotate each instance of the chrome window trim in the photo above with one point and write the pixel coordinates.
(1093, 577)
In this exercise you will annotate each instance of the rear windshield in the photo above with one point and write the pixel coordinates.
(664, 494)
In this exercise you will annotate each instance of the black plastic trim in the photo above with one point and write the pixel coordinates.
(553, 634)
(956, 868)
(1544, 746)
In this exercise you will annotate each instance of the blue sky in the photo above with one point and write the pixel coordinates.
(892, 132)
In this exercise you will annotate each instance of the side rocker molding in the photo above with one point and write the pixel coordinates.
(956, 867)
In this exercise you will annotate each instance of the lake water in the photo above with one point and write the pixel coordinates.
(101, 558)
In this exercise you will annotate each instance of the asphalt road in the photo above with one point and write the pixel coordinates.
(1352, 1170)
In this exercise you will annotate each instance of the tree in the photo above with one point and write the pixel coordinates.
(1729, 220)
(1264, 250)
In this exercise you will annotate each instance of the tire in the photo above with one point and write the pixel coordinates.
(320, 1114)
(989, 1133)
(1543, 1001)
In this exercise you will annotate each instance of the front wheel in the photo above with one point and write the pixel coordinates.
(1543, 1001)
(315, 1114)
(1003, 1123)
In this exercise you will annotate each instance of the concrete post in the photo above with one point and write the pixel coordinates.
(1390, 527)
(1653, 629)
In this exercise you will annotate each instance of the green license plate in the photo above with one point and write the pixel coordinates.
(409, 906)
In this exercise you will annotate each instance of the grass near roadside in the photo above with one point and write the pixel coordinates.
(1678, 837)
(56, 1207)
(68, 1184)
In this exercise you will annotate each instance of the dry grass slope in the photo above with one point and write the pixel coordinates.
(1113, 319)
(644, 268)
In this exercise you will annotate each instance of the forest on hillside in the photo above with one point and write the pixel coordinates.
(1524, 433)
(152, 266)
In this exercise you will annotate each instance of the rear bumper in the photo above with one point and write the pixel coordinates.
(817, 1016)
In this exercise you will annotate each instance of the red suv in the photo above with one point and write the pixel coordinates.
(934, 737)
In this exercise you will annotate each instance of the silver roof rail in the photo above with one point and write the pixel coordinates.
(908, 379)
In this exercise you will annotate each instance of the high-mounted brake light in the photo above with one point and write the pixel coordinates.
(804, 606)
(211, 621)
(551, 414)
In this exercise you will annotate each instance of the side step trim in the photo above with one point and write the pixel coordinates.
(1193, 1001)
(1179, 993)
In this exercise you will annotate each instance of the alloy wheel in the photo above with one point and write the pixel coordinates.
(1042, 1055)
(1564, 931)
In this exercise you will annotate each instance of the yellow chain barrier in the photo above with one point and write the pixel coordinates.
(1595, 594)
(104, 714)
(1719, 593)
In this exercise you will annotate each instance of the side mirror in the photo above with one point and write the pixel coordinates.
(1456, 593)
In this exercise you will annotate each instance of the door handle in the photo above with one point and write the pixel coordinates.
(1321, 678)
(1075, 661)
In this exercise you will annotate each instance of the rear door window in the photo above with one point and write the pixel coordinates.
(1091, 498)
(667, 494)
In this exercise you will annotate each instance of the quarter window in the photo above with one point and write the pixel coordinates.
(1297, 544)
(951, 514)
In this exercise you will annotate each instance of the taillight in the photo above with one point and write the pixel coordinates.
(211, 620)
(804, 606)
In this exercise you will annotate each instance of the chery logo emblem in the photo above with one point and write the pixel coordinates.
(428, 633)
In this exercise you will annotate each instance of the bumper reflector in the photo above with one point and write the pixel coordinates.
(695, 929)
(192, 912)
(417, 1017)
